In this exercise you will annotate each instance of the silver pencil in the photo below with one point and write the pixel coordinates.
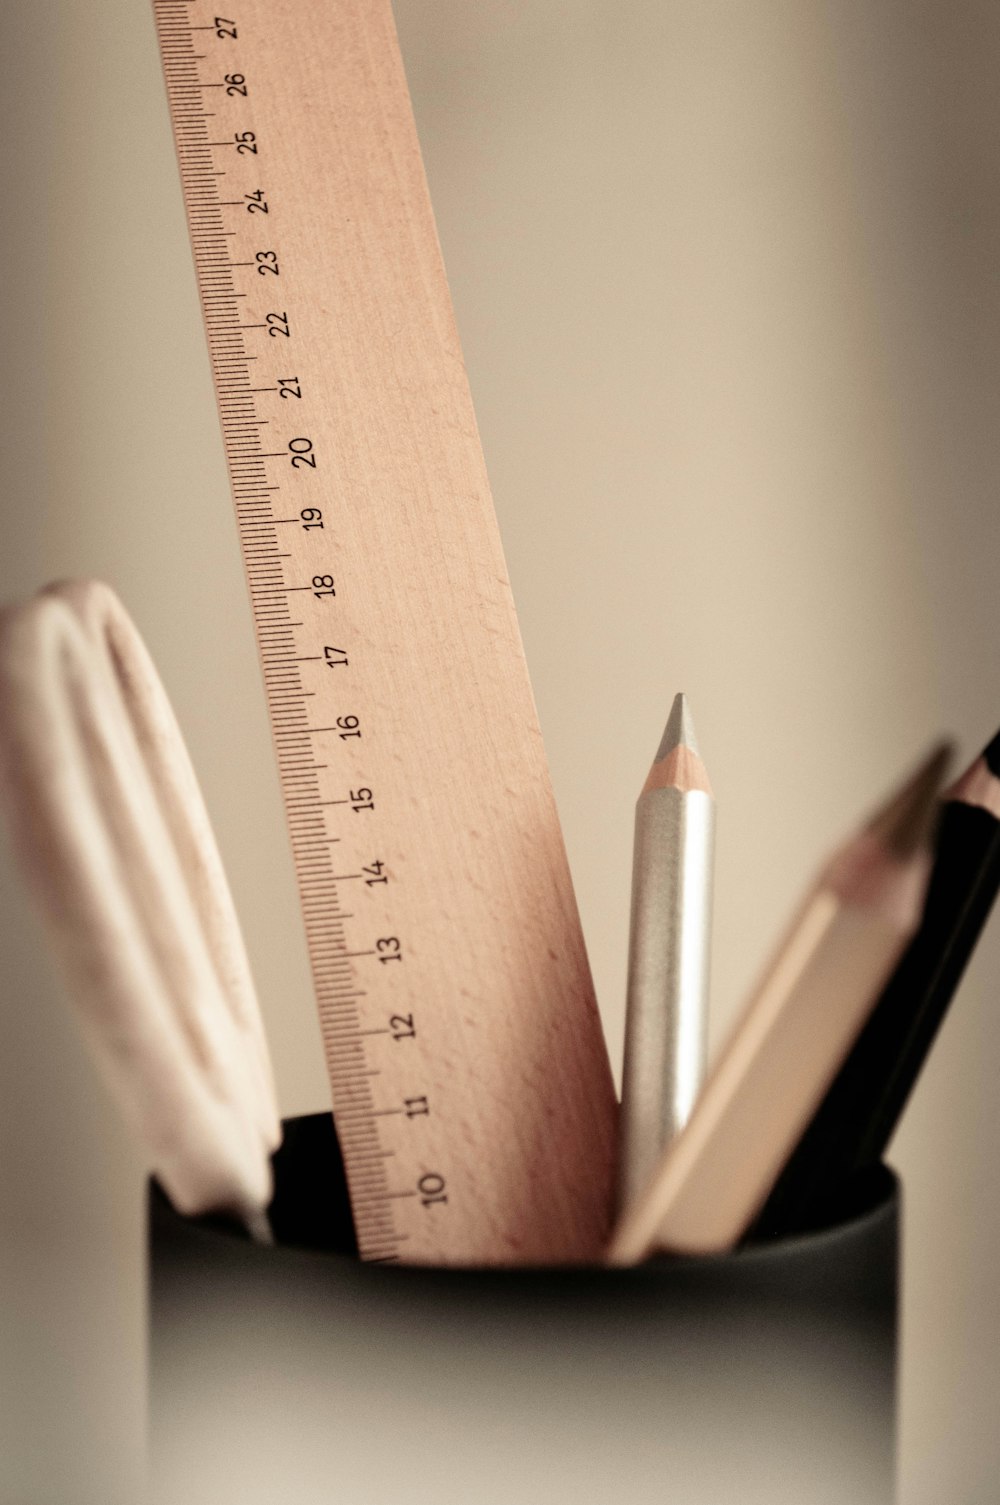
(668, 962)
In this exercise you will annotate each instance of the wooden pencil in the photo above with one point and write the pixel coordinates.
(668, 960)
(858, 1115)
(794, 1033)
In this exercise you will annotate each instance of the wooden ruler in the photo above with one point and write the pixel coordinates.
(470, 1081)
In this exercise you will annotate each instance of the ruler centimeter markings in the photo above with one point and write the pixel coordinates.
(469, 1078)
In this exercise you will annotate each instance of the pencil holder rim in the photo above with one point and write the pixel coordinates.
(879, 1203)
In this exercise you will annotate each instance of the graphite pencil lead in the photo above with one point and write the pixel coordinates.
(991, 755)
(906, 821)
(678, 764)
(679, 730)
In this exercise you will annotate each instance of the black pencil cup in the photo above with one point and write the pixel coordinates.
(297, 1374)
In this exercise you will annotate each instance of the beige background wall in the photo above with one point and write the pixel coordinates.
(726, 278)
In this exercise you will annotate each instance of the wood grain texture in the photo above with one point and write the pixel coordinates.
(506, 1053)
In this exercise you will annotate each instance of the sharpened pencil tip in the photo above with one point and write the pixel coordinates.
(905, 822)
(991, 756)
(679, 730)
(678, 764)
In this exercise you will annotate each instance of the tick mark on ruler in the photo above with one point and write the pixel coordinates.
(389, 1196)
